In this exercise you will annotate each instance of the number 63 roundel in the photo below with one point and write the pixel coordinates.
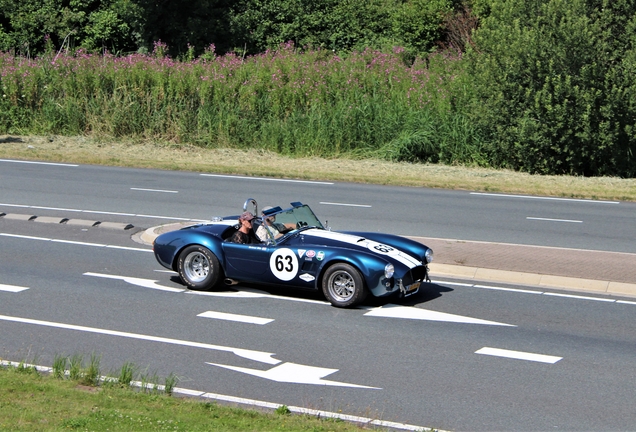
(284, 264)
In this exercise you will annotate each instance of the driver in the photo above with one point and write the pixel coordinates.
(277, 229)
(245, 233)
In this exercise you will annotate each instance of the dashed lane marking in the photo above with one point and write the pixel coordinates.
(345, 204)
(235, 317)
(153, 190)
(518, 355)
(553, 220)
(12, 288)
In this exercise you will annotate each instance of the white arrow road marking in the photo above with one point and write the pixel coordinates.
(146, 283)
(259, 356)
(408, 312)
(12, 288)
(235, 317)
(296, 374)
(519, 355)
(244, 293)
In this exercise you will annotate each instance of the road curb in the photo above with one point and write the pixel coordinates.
(66, 221)
(149, 235)
(533, 279)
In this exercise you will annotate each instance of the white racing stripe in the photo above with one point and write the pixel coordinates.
(518, 355)
(405, 259)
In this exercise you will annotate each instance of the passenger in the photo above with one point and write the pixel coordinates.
(276, 229)
(245, 233)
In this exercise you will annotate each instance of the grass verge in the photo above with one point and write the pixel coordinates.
(34, 401)
(145, 154)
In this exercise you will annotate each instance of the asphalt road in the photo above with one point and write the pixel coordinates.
(432, 360)
(585, 224)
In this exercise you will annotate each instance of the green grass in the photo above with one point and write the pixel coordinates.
(35, 401)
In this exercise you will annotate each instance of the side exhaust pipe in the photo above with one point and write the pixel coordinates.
(230, 282)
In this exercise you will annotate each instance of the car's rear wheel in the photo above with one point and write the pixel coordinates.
(199, 268)
(343, 286)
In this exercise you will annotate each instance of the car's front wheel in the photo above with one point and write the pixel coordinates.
(343, 286)
(199, 268)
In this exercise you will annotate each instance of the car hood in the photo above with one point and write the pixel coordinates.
(336, 239)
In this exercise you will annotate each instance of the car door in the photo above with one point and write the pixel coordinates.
(246, 261)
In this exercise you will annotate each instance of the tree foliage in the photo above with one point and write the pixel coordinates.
(245, 26)
(28, 26)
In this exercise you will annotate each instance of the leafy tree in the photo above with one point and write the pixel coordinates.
(419, 23)
(333, 24)
(26, 26)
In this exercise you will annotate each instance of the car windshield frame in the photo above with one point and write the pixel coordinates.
(301, 217)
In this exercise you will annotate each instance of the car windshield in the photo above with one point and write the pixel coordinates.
(301, 216)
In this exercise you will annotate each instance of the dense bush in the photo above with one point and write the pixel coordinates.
(555, 85)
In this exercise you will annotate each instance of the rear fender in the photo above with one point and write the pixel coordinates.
(179, 242)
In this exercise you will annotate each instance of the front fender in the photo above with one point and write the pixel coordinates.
(371, 268)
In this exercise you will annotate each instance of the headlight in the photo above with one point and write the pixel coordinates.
(388, 271)
(428, 256)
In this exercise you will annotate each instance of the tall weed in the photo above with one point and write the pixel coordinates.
(294, 102)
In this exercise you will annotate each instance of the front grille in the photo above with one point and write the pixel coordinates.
(418, 273)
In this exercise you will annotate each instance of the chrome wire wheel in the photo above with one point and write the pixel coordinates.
(196, 266)
(199, 268)
(341, 286)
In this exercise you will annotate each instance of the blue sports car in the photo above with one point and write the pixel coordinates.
(295, 250)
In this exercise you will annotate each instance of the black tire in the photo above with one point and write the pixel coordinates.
(343, 285)
(199, 268)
